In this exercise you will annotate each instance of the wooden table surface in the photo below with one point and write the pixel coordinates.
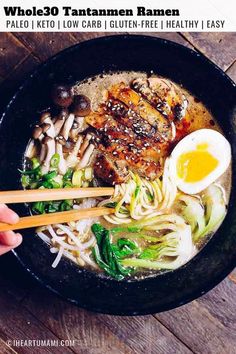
(30, 312)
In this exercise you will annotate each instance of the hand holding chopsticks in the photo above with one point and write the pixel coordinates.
(24, 196)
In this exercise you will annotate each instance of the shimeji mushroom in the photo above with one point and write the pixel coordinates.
(85, 143)
(32, 148)
(60, 120)
(67, 126)
(86, 157)
(72, 158)
(50, 151)
(39, 136)
(62, 166)
(47, 125)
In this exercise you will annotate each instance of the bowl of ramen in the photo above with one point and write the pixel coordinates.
(144, 116)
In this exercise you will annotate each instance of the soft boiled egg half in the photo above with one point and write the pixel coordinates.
(199, 159)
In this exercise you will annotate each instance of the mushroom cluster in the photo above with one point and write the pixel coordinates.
(62, 134)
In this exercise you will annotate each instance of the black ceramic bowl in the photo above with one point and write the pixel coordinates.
(203, 79)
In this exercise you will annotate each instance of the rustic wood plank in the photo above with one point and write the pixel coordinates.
(232, 276)
(220, 304)
(112, 334)
(145, 334)
(44, 45)
(5, 349)
(85, 36)
(69, 322)
(207, 325)
(11, 53)
(232, 71)
(218, 47)
(17, 323)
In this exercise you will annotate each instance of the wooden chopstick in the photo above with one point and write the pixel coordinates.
(38, 195)
(55, 218)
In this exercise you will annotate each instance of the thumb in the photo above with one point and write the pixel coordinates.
(7, 215)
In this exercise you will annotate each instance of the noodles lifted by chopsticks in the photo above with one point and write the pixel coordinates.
(139, 198)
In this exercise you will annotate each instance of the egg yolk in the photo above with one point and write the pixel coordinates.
(193, 166)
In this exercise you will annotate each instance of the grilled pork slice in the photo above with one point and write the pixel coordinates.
(163, 95)
(109, 170)
(130, 119)
(143, 108)
(114, 136)
(144, 166)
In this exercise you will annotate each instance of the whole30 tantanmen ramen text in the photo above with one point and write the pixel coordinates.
(162, 151)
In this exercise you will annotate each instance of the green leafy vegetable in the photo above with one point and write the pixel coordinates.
(214, 203)
(192, 210)
(108, 255)
(171, 248)
(205, 214)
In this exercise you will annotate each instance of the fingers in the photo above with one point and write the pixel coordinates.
(7, 215)
(8, 241)
(9, 238)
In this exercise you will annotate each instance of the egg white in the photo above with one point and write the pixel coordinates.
(218, 147)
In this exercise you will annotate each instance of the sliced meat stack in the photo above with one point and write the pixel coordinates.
(134, 128)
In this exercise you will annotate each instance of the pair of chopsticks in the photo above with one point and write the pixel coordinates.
(38, 195)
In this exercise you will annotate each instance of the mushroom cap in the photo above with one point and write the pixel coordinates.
(61, 140)
(45, 127)
(37, 132)
(81, 105)
(47, 139)
(63, 113)
(44, 116)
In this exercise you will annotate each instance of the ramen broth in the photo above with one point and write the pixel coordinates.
(198, 117)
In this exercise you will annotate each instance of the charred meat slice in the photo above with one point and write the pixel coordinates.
(129, 118)
(109, 170)
(145, 167)
(114, 136)
(143, 108)
(163, 95)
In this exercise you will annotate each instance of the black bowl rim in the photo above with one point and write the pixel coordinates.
(187, 298)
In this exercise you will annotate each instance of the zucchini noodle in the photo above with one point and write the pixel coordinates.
(139, 198)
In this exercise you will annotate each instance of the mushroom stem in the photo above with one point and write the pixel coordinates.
(31, 149)
(50, 151)
(85, 143)
(43, 152)
(62, 166)
(72, 158)
(67, 126)
(46, 119)
(86, 157)
(58, 125)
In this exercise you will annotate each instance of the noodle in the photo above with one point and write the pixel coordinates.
(140, 198)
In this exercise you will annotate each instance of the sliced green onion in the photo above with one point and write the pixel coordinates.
(54, 162)
(39, 207)
(25, 180)
(88, 173)
(35, 163)
(77, 178)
